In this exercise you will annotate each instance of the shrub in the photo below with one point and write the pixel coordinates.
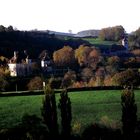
(136, 52)
(92, 132)
(33, 127)
(109, 123)
(87, 74)
(35, 83)
(69, 79)
(3, 83)
(100, 132)
(55, 83)
(127, 78)
(108, 81)
(78, 84)
(76, 128)
(92, 82)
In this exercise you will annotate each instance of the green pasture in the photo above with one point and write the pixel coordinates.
(99, 41)
(87, 107)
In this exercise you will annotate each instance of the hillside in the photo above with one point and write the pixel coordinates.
(103, 45)
(95, 106)
(34, 42)
(88, 33)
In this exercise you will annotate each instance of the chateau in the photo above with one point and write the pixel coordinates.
(24, 66)
(17, 68)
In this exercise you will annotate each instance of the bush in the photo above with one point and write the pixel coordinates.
(109, 123)
(69, 79)
(35, 84)
(3, 83)
(92, 82)
(98, 132)
(55, 83)
(76, 128)
(78, 84)
(33, 127)
(127, 78)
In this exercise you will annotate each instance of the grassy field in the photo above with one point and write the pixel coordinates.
(99, 41)
(87, 107)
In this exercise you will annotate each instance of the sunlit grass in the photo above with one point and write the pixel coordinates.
(87, 107)
(99, 41)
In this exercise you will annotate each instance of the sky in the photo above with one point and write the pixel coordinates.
(66, 15)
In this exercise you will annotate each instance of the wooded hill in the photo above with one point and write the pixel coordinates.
(34, 42)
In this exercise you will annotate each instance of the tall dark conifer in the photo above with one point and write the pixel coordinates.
(49, 111)
(66, 115)
(129, 113)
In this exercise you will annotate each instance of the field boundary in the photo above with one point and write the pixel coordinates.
(41, 92)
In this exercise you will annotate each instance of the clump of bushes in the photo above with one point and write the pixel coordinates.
(55, 83)
(3, 83)
(35, 83)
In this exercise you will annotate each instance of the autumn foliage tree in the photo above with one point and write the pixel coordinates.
(100, 75)
(69, 79)
(108, 80)
(81, 54)
(113, 64)
(3, 61)
(64, 56)
(113, 60)
(3, 83)
(35, 83)
(127, 78)
(4, 72)
(87, 56)
(134, 40)
(112, 33)
(87, 74)
(94, 58)
(136, 52)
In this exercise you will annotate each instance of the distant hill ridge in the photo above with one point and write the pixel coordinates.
(57, 33)
(88, 33)
(85, 33)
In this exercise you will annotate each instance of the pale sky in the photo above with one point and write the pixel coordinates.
(75, 15)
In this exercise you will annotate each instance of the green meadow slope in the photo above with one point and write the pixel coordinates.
(87, 107)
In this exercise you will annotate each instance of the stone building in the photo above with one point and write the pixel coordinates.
(20, 66)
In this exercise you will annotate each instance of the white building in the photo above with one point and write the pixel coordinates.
(20, 69)
(46, 65)
(125, 42)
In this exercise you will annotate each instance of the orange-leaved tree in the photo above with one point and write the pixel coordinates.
(64, 56)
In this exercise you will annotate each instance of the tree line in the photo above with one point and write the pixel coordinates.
(33, 41)
(115, 33)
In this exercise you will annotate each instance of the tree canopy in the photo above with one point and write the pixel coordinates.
(134, 40)
(127, 78)
(64, 56)
(112, 33)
